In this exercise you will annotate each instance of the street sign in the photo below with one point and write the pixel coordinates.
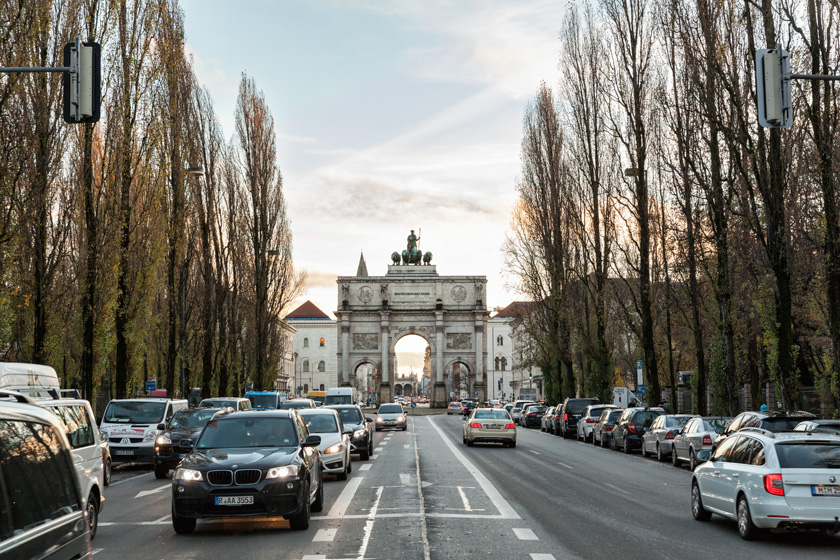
(414, 405)
(475, 394)
(639, 379)
(640, 389)
(151, 386)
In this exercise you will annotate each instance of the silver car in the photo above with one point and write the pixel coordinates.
(659, 437)
(697, 435)
(589, 418)
(335, 440)
(391, 416)
(820, 426)
(764, 480)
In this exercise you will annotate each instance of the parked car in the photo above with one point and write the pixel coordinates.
(131, 426)
(573, 408)
(490, 425)
(547, 421)
(248, 464)
(697, 435)
(660, 437)
(518, 407)
(589, 418)
(335, 440)
(43, 512)
(819, 426)
(297, 404)
(764, 480)
(454, 408)
(532, 416)
(183, 428)
(602, 431)
(236, 403)
(361, 440)
(391, 416)
(558, 418)
(771, 421)
(631, 427)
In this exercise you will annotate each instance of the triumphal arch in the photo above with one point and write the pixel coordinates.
(449, 312)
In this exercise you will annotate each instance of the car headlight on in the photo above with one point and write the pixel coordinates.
(150, 436)
(187, 475)
(282, 472)
(334, 448)
(358, 433)
(379, 419)
(401, 419)
(163, 439)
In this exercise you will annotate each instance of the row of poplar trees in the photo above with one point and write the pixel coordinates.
(657, 221)
(116, 262)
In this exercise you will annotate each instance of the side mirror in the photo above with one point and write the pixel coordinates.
(187, 444)
(312, 441)
(161, 426)
(368, 419)
(704, 455)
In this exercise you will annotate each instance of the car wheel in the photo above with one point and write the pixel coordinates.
(182, 525)
(300, 522)
(470, 443)
(349, 465)
(343, 474)
(464, 439)
(364, 455)
(161, 471)
(692, 460)
(318, 504)
(92, 511)
(644, 450)
(674, 459)
(106, 472)
(697, 510)
(659, 456)
(626, 448)
(746, 528)
(542, 428)
(513, 444)
(612, 444)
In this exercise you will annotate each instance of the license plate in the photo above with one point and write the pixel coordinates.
(234, 500)
(825, 490)
(492, 426)
(123, 452)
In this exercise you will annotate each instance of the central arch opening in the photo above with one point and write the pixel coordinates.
(411, 366)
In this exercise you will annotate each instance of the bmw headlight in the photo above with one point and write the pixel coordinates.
(401, 419)
(334, 448)
(150, 435)
(282, 472)
(187, 475)
(358, 433)
(163, 439)
(379, 419)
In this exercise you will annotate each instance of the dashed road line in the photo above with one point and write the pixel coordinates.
(365, 467)
(424, 530)
(406, 446)
(405, 478)
(315, 557)
(324, 535)
(542, 556)
(525, 535)
(96, 551)
(343, 502)
(614, 487)
(565, 465)
(535, 452)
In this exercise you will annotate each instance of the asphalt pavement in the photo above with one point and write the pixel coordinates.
(424, 495)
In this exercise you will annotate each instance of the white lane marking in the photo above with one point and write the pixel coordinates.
(535, 452)
(384, 443)
(405, 478)
(406, 446)
(365, 467)
(505, 509)
(96, 551)
(622, 490)
(424, 531)
(324, 535)
(374, 456)
(371, 518)
(315, 557)
(464, 499)
(565, 465)
(343, 502)
(525, 535)
(149, 492)
(542, 556)
(123, 481)
(162, 519)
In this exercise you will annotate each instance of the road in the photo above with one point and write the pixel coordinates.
(426, 496)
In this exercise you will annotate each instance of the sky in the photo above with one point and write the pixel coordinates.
(390, 116)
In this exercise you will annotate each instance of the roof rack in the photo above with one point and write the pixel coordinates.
(20, 397)
(762, 431)
(53, 392)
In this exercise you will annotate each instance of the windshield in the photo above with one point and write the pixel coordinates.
(596, 412)
(320, 423)
(577, 406)
(780, 424)
(263, 401)
(646, 417)
(248, 432)
(339, 399)
(191, 419)
(491, 414)
(716, 424)
(808, 455)
(350, 415)
(219, 402)
(390, 409)
(134, 412)
(677, 421)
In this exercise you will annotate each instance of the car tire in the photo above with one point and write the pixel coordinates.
(542, 428)
(659, 456)
(470, 443)
(674, 459)
(626, 447)
(464, 440)
(161, 471)
(349, 465)
(644, 451)
(692, 460)
(364, 455)
(182, 525)
(343, 474)
(318, 504)
(92, 512)
(106, 472)
(300, 522)
(746, 528)
(612, 443)
(697, 510)
(512, 444)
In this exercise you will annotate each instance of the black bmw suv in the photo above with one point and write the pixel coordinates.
(361, 440)
(250, 464)
(183, 428)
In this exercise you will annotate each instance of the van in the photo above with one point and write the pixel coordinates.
(264, 400)
(341, 395)
(318, 396)
(132, 426)
(34, 380)
(42, 511)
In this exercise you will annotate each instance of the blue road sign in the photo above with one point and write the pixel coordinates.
(414, 405)
(640, 389)
(475, 394)
(151, 386)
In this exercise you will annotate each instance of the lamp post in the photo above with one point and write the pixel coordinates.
(191, 172)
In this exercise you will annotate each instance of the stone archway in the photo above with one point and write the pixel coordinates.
(374, 312)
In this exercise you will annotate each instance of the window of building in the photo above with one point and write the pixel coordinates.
(306, 343)
(503, 362)
(322, 387)
(322, 366)
(305, 388)
(498, 362)
(500, 340)
(323, 342)
(305, 365)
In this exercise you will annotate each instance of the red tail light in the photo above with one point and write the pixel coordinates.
(631, 427)
(707, 440)
(565, 416)
(773, 484)
(608, 428)
(510, 426)
(515, 410)
(532, 414)
(670, 434)
(590, 421)
(475, 425)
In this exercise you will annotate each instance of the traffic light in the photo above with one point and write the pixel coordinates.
(772, 81)
(82, 86)
(530, 377)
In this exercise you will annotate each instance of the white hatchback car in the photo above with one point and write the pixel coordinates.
(770, 481)
(335, 439)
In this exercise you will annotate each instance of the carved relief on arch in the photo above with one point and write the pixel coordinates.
(366, 341)
(458, 341)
